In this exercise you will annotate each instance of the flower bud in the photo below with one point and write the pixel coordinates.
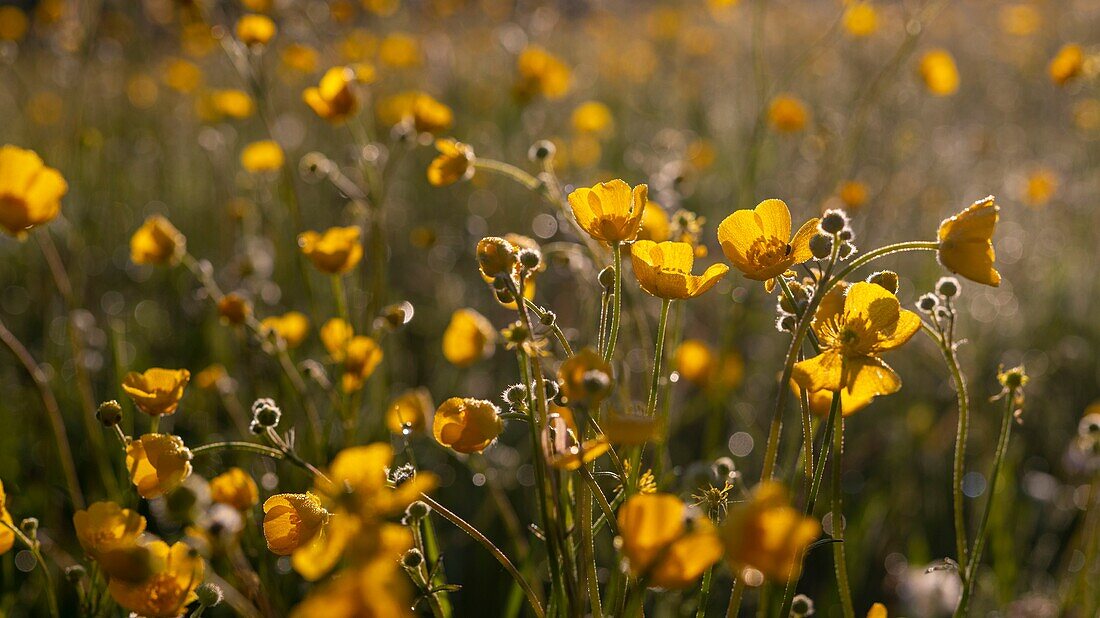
(265, 413)
(846, 249)
(927, 303)
(542, 150)
(833, 221)
(548, 318)
(29, 526)
(529, 259)
(885, 278)
(417, 510)
(607, 277)
(821, 246)
(109, 413)
(552, 388)
(785, 323)
(948, 287)
(412, 559)
(1013, 378)
(210, 595)
(514, 394)
(596, 381)
(801, 606)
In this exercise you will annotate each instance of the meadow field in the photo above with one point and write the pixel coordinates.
(387, 308)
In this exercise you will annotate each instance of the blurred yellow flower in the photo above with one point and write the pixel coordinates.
(455, 162)
(664, 270)
(157, 241)
(264, 156)
(211, 376)
(852, 335)
(300, 58)
(610, 211)
(767, 534)
(585, 378)
(292, 327)
(378, 589)
(940, 75)
(787, 113)
(1067, 64)
(399, 50)
(335, 335)
(656, 225)
(234, 309)
(255, 29)
(878, 610)
(291, 521)
(1041, 186)
(860, 19)
(30, 192)
(541, 73)
(631, 429)
(421, 110)
(966, 242)
(1020, 19)
(358, 45)
(664, 542)
(468, 338)
(853, 193)
(336, 251)
(758, 242)
(7, 536)
(182, 75)
(361, 357)
(156, 392)
(106, 526)
(572, 457)
(592, 117)
(13, 23)
(694, 361)
(409, 411)
(236, 488)
(158, 463)
(233, 103)
(176, 572)
(333, 99)
(467, 425)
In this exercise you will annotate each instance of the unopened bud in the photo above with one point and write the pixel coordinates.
(109, 413)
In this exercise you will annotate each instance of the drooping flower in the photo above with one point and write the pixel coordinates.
(156, 391)
(333, 99)
(940, 75)
(767, 534)
(664, 270)
(1067, 64)
(361, 357)
(106, 526)
(255, 29)
(158, 463)
(966, 242)
(852, 335)
(157, 241)
(176, 571)
(292, 327)
(455, 162)
(236, 488)
(264, 156)
(758, 242)
(467, 425)
(496, 256)
(469, 338)
(30, 192)
(665, 542)
(336, 251)
(610, 211)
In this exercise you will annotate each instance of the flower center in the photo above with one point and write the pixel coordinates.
(768, 251)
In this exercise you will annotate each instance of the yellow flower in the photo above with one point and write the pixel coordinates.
(255, 29)
(853, 193)
(234, 309)
(333, 98)
(335, 335)
(233, 103)
(573, 457)
(631, 429)
(292, 327)
(399, 50)
(656, 225)
(585, 378)
(758, 242)
(593, 118)
(767, 534)
(262, 156)
(409, 411)
(787, 113)
(176, 572)
(495, 256)
(157, 241)
(467, 425)
(694, 361)
(821, 401)
(878, 610)
(966, 242)
(1067, 64)
(424, 113)
(940, 75)
(13, 24)
(377, 589)
(292, 520)
(336, 251)
(610, 211)
(182, 75)
(468, 338)
(852, 335)
(157, 391)
(300, 58)
(158, 463)
(860, 19)
(541, 73)
(106, 526)
(1042, 184)
(665, 542)
(664, 270)
(7, 537)
(361, 357)
(211, 376)
(30, 192)
(455, 162)
(236, 488)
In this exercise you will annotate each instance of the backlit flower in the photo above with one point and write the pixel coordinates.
(468, 338)
(292, 327)
(361, 357)
(335, 335)
(664, 270)
(255, 29)
(966, 242)
(631, 429)
(455, 162)
(758, 242)
(495, 256)
(264, 156)
(233, 103)
(409, 411)
(236, 488)
(158, 463)
(656, 225)
(585, 378)
(665, 542)
(610, 211)
(1067, 64)
(423, 112)
(106, 526)
(292, 520)
(333, 98)
(541, 73)
(335, 251)
(157, 241)
(7, 536)
(30, 192)
(767, 534)
(821, 401)
(940, 75)
(467, 425)
(156, 391)
(176, 571)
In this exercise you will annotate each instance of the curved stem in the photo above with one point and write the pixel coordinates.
(247, 447)
(871, 256)
(508, 170)
(617, 306)
(558, 333)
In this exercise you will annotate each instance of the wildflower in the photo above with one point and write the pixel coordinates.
(262, 157)
(664, 270)
(233, 103)
(408, 412)
(399, 50)
(787, 114)
(176, 571)
(236, 488)
(665, 542)
(211, 376)
(574, 456)
(878, 610)
(541, 73)
(1067, 64)
(585, 378)
(940, 75)
(631, 429)
(454, 163)
(157, 241)
(361, 357)
(333, 98)
(767, 534)
(292, 327)
(158, 463)
(335, 251)
(592, 118)
(1041, 186)
(656, 224)
(853, 193)
(156, 391)
(234, 309)
(469, 338)
(7, 536)
(335, 335)
(182, 75)
(419, 109)
(966, 242)
(253, 30)
(610, 211)
(467, 425)
(694, 361)
(300, 58)
(292, 520)
(378, 588)
(758, 242)
(30, 192)
(496, 256)
(860, 19)
(821, 401)
(106, 526)
(852, 335)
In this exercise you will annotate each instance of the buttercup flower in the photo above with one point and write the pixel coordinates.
(335, 335)
(940, 75)
(454, 163)
(661, 545)
(333, 98)
(853, 193)
(664, 270)
(176, 571)
(860, 19)
(292, 327)
(467, 425)
(787, 114)
(30, 192)
(631, 429)
(399, 50)
(767, 534)
(106, 526)
(157, 241)
(656, 225)
(234, 309)
(336, 251)
(255, 29)
(1067, 64)
(157, 391)
(610, 211)
(421, 110)
(469, 338)
(378, 588)
(821, 401)
(966, 242)
(585, 378)
(7, 537)
(592, 117)
(852, 335)
(233, 103)
(573, 456)
(878, 610)
(236, 488)
(264, 156)
(495, 256)
(158, 463)
(541, 73)
(409, 411)
(361, 357)
(758, 242)
(292, 520)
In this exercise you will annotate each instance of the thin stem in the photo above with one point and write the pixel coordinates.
(617, 306)
(658, 359)
(35, 547)
(508, 170)
(839, 562)
(704, 593)
(736, 595)
(871, 256)
(341, 298)
(247, 447)
(554, 328)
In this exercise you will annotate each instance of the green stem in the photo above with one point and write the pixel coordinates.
(704, 593)
(617, 307)
(736, 595)
(246, 447)
(839, 562)
(871, 256)
(558, 333)
(658, 359)
(35, 548)
(508, 170)
(341, 298)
